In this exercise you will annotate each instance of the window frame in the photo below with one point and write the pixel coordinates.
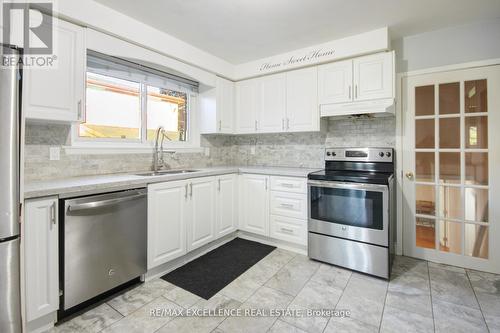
(101, 145)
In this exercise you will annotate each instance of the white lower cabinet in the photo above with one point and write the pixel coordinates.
(41, 257)
(254, 204)
(288, 202)
(289, 229)
(167, 204)
(184, 215)
(200, 212)
(226, 202)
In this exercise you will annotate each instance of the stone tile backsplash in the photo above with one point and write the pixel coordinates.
(287, 149)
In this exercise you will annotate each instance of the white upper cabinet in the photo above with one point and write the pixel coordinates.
(227, 194)
(57, 94)
(272, 116)
(335, 82)
(302, 111)
(361, 79)
(167, 204)
(225, 106)
(374, 77)
(217, 108)
(247, 106)
(200, 212)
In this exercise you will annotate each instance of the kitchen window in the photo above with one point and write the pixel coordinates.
(126, 103)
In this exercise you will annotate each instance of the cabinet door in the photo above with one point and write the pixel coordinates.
(273, 104)
(374, 77)
(302, 110)
(166, 221)
(247, 104)
(41, 257)
(57, 93)
(254, 204)
(201, 212)
(335, 82)
(225, 106)
(226, 204)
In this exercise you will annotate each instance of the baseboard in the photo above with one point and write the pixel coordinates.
(181, 261)
(300, 249)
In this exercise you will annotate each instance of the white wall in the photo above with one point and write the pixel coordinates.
(466, 43)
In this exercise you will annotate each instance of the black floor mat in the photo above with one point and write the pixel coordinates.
(208, 274)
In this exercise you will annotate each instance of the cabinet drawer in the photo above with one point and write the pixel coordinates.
(289, 204)
(289, 229)
(289, 184)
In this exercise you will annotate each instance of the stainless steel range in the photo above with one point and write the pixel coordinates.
(351, 210)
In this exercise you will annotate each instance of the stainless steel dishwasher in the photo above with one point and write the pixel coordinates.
(104, 243)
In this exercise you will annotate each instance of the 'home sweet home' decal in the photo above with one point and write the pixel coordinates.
(348, 47)
(296, 60)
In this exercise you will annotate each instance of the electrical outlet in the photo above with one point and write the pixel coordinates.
(207, 151)
(252, 150)
(54, 153)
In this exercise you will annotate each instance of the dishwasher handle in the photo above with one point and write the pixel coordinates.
(104, 203)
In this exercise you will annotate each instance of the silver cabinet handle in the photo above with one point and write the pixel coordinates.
(286, 205)
(287, 185)
(52, 215)
(80, 116)
(287, 123)
(266, 184)
(256, 125)
(286, 230)
(186, 192)
(356, 91)
(191, 190)
(220, 125)
(350, 92)
(218, 185)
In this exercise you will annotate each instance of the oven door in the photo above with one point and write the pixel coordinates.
(352, 211)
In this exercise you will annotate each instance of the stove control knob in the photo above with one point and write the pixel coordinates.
(334, 154)
(328, 153)
(381, 154)
(388, 154)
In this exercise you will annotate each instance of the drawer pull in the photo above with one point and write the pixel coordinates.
(285, 205)
(287, 230)
(287, 185)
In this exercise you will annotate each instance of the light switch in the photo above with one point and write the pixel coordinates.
(54, 153)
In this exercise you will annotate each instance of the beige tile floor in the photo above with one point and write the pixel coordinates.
(421, 297)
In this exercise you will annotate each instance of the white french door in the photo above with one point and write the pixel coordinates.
(451, 166)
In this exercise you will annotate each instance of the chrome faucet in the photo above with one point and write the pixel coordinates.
(158, 161)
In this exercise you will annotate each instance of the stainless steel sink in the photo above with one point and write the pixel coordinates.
(164, 172)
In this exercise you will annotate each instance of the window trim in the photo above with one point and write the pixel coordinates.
(112, 145)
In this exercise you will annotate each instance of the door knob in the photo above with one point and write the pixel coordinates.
(409, 175)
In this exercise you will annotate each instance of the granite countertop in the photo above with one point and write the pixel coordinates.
(76, 186)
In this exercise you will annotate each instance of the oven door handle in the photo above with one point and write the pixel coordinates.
(350, 186)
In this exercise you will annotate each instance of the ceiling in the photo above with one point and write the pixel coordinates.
(244, 30)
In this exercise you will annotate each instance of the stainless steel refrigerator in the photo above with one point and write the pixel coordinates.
(10, 294)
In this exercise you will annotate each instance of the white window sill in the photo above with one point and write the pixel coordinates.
(92, 149)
